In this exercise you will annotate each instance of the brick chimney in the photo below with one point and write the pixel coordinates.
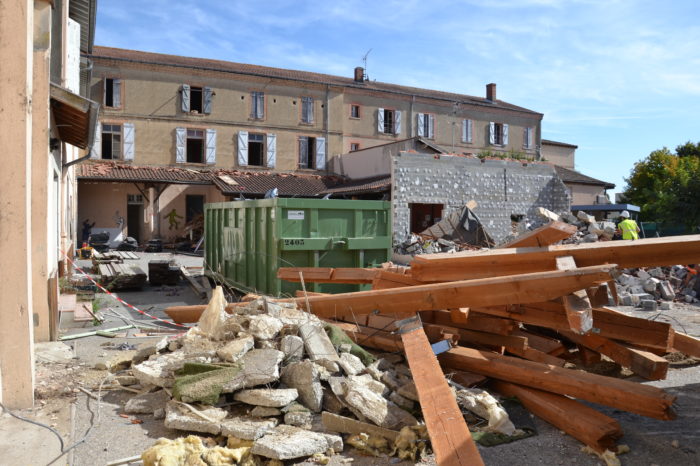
(359, 74)
(491, 92)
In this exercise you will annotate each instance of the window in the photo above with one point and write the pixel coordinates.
(134, 199)
(498, 134)
(112, 93)
(257, 108)
(195, 146)
(388, 121)
(467, 129)
(354, 111)
(111, 141)
(312, 153)
(307, 110)
(256, 149)
(426, 125)
(527, 138)
(196, 99)
(354, 146)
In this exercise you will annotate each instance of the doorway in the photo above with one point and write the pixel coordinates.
(134, 216)
(424, 216)
(194, 207)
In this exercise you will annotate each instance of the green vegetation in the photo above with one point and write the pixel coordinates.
(510, 155)
(666, 186)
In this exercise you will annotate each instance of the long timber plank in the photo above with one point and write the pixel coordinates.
(545, 235)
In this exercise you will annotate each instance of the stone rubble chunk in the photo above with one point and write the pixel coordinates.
(648, 305)
(650, 284)
(589, 238)
(351, 364)
(374, 371)
(548, 214)
(236, 349)
(260, 366)
(401, 401)
(657, 272)
(304, 377)
(331, 402)
(147, 403)
(211, 322)
(643, 274)
(299, 419)
(373, 406)
(409, 391)
(323, 373)
(293, 347)
(288, 442)
(180, 418)
(331, 366)
(126, 380)
(318, 345)
(159, 371)
(390, 380)
(666, 290)
(584, 217)
(264, 327)
(270, 397)
(264, 411)
(246, 428)
(665, 306)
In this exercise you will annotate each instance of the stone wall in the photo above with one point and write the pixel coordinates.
(501, 189)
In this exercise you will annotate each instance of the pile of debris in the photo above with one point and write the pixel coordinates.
(588, 229)
(657, 287)
(522, 315)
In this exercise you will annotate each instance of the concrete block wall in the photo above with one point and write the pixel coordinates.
(501, 188)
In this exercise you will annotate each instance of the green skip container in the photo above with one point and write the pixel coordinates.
(247, 241)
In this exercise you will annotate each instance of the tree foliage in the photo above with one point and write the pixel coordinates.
(666, 186)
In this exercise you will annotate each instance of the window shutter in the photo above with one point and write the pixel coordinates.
(431, 126)
(128, 147)
(397, 122)
(464, 130)
(308, 109)
(505, 134)
(242, 148)
(303, 151)
(271, 150)
(259, 105)
(380, 120)
(185, 96)
(96, 151)
(470, 126)
(180, 139)
(320, 153)
(492, 133)
(211, 146)
(207, 100)
(421, 123)
(117, 93)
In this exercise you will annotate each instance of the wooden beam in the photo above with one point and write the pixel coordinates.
(621, 394)
(576, 305)
(645, 364)
(449, 435)
(545, 235)
(512, 261)
(475, 321)
(539, 342)
(385, 279)
(406, 301)
(327, 274)
(583, 423)
(531, 354)
(686, 344)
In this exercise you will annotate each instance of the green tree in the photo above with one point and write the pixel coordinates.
(666, 186)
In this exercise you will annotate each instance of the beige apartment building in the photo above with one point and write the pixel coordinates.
(233, 120)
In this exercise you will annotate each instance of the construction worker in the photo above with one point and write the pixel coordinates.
(628, 227)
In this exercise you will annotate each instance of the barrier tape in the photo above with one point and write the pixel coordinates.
(130, 306)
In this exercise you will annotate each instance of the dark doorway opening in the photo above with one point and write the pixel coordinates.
(134, 214)
(424, 216)
(194, 206)
(256, 148)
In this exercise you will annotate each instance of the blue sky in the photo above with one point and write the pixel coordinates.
(617, 78)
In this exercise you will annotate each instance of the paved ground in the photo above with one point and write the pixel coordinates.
(112, 437)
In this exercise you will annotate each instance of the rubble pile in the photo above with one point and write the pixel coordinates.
(424, 244)
(590, 230)
(646, 288)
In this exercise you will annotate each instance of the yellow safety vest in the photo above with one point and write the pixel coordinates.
(628, 227)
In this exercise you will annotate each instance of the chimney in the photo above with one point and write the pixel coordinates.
(359, 74)
(491, 92)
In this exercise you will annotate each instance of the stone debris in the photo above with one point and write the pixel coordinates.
(288, 442)
(351, 365)
(236, 349)
(293, 348)
(636, 287)
(304, 377)
(271, 398)
(147, 403)
(246, 428)
(178, 416)
(264, 327)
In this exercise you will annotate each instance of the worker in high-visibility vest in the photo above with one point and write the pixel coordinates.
(628, 227)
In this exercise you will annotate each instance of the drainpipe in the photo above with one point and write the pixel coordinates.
(326, 119)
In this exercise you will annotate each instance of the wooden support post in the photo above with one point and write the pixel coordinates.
(449, 435)
(621, 394)
(686, 344)
(577, 305)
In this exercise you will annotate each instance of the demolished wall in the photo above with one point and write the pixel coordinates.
(501, 188)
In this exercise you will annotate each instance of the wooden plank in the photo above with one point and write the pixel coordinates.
(406, 301)
(459, 315)
(465, 379)
(585, 424)
(686, 344)
(531, 354)
(300, 293)
(577, 306)
(587, 356)
(541, 343)
(616, 393)
(467, 265)
(545, 235)
(346, 425)
(482, 338)
(327, 274)
(598, 295)
(612, 287)
(645, 364)
(384, 279)
(475, 321)
(449, 435)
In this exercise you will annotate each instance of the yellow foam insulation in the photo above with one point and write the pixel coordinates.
(411, 442)
(192, 452)
(609, 457)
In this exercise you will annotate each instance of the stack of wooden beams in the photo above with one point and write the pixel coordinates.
(519, 314)
(121, 276)
(110, 257)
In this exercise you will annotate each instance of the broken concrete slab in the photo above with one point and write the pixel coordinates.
(246, 428)
(351, 365)
(270, 397)
(293, 347)
(304, 376)
(346, 425)
(584, 217)
(650, 284)
(264, 411)
(666, 290)
(648, 305)
(126, 380)
(408, 390)
(147, 403)
(53, 351)
(159, 371)
(289, 442)
(318, 345)
(179, 416)
(260, 366)
(548, 214)
(362, 397)
(236, 349)
(264, 327)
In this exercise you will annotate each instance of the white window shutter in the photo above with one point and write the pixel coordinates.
(431, 126)
(96, 151)
(492, 133)
(271, 150)
(180, 140)
(185, 97)
(259, 105)
(242, 148)
(128, 138)
(505, 135)
(211, 146)
(380, 120)
(421, 124)
(470, 126)
(465, 123)
(303, 151)
(320, 153)
(117, 93)
(208, 93)
(397, 122)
